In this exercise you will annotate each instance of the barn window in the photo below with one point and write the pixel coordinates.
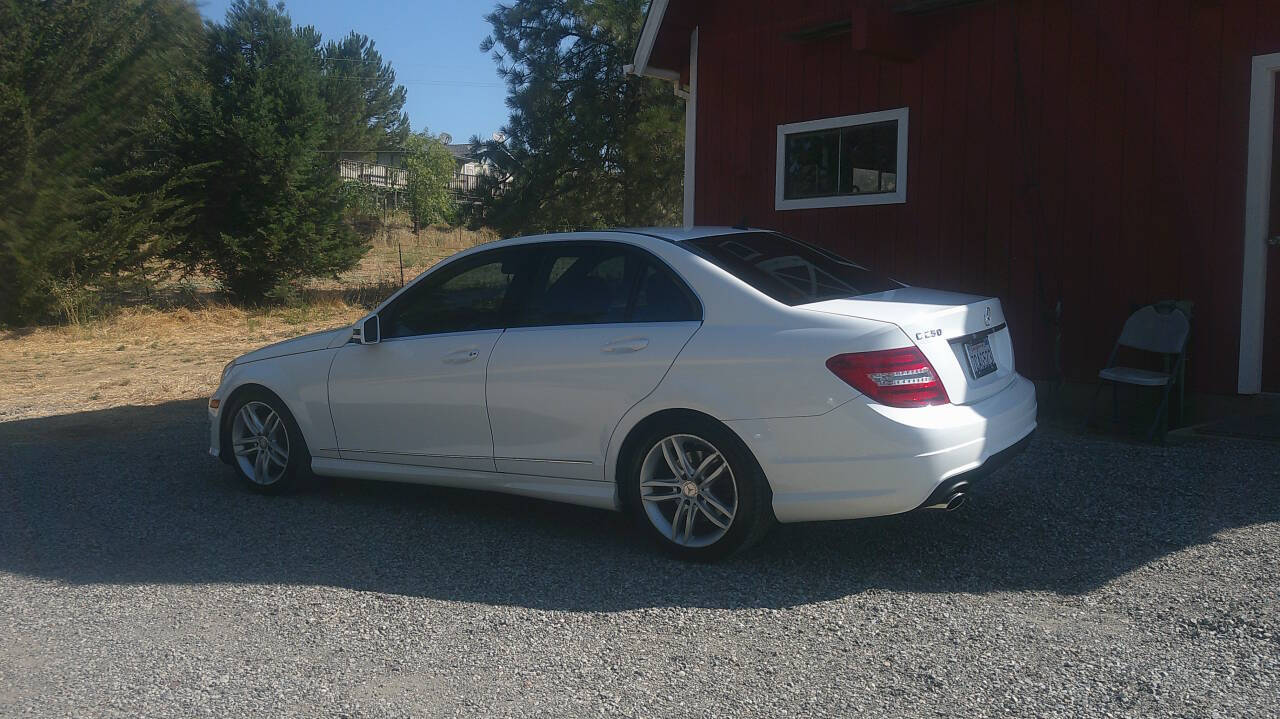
(843, 161)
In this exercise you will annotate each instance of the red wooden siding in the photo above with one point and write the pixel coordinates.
(1088, 152)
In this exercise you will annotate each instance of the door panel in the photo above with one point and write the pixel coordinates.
(415, 400)
(556, 393)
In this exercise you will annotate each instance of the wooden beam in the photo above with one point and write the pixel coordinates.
(919, 6)
(884, 34)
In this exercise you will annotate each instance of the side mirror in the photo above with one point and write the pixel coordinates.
(370, 330)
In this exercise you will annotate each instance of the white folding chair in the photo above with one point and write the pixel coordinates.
(1161, 329)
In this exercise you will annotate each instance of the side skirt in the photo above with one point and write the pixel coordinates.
(601, 495)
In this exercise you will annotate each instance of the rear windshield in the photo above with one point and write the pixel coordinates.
(789, 271)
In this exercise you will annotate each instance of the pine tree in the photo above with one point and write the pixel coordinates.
(365, 105)
(586, 145)
(272, 206)
(86, 188)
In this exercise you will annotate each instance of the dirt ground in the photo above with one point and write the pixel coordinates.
(145, 356)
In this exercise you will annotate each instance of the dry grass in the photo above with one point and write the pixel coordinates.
(145, 355)
(382, 264)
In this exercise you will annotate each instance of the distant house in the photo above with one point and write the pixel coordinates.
(468, 170)
(375, 174)
(1074, 158)
(388, 172)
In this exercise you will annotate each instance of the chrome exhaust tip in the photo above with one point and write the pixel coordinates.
(954, 501)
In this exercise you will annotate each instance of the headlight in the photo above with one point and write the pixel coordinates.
(226, 370)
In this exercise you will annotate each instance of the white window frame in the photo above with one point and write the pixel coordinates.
(1257, 220)
(897, 197)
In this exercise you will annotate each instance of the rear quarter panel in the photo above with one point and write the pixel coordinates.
(760, 370)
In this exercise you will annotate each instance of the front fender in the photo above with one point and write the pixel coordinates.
(301, 381)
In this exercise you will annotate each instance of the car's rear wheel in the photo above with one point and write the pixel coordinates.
(267, 448)
(697, 490)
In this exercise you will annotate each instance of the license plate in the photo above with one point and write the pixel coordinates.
(982, 361)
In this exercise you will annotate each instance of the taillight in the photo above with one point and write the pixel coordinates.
(897, 378)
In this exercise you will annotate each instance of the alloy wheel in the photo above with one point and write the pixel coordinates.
(688, 490)
(260, 442)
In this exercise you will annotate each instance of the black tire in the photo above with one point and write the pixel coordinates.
(278, 478)
(753, 515)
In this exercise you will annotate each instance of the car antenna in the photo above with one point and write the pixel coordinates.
(742, 224)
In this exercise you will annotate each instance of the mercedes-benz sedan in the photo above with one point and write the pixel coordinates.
(709, 381)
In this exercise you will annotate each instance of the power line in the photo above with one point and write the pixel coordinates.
(353, 152)
(447, 83)
(397, 64)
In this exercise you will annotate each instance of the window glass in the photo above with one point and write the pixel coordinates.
(660, 298)
(580, 284)
(467, 297)
(789, 271)
(601, 282)
(854, 160)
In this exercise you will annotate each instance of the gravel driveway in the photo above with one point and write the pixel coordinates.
(1089, 578)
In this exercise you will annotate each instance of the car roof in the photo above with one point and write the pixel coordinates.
(642, 235)
(680, 234)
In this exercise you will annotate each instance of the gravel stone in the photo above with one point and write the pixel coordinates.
(1090, 578)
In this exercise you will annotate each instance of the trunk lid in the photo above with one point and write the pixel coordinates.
(941, 324)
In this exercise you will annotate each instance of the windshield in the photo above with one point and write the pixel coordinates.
(789, 271)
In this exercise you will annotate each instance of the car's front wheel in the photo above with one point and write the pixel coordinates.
(697, 490)
(267, 448)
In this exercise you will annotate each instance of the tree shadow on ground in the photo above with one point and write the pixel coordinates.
(129, 495)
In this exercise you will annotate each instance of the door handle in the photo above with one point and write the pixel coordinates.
(461, 356)
(632, 344)
(1274, 240)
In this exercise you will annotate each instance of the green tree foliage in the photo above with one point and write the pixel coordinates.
(272, 204)
(586, 145)
(85, 187)
(430, 167)
(366, 106)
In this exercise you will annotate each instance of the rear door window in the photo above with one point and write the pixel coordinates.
(789, 271)
(586, 283)
(578, 285)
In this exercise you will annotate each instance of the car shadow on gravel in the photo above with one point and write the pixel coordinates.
(128, 495)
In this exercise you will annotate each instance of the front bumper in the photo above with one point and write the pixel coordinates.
(864, 459)
(215, 438)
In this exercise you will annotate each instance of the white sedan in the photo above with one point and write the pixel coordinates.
(709, 381)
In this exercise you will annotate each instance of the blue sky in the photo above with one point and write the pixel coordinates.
(434, 47)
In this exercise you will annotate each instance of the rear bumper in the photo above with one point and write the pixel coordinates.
(963, 481)
(864, 459)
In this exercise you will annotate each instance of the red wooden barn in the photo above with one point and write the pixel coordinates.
(1075, 158)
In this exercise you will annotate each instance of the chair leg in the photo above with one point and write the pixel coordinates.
(1160, 414)
(1115, 402)
(1093, 404)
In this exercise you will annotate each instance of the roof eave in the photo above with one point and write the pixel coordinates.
(648, 36)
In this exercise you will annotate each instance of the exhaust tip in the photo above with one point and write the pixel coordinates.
(948, 497)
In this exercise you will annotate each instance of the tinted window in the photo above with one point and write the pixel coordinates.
(578, 285)
(598, 283)
(468, 295)
(789, 271)
(660, 297)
